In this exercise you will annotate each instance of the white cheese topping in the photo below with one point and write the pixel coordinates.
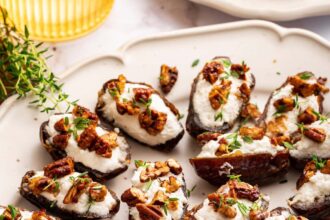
(150, 189)
(230, 110)
(83, 205)
(306, 148)
(26, 215)
(303, 103)
(256, 147)
(90, 158)
(316, 189)
(130, 123)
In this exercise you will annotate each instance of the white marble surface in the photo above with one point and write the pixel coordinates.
(135, 18)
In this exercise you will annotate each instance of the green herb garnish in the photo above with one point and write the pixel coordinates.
(13, 211)
(189, 191)
(53, 204)
(322, 118)
(140, 163)
(319, 163)
(234, 177)
(181, 116)
(218, 116)
(243, 208)
(288, 145)
(234, 144)
(81, 123)
(226, 63)
(305, 75)
(195, 63)
(148, 185)
(247, 139)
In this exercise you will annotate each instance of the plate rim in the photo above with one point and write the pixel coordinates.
(269, 14)
(119, 54)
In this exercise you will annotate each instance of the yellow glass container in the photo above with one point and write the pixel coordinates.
(57, 20)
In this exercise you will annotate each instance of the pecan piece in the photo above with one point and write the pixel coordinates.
(174, 166)
(305, 89)
(171, 185)
(256, 133)
(97, 192)
(205, 137)
(168, 77)
(160, 169)
(40, 215)
(87, 138)
(61, 125)
(211, 71)
(105, 144)
(116, 88)
(250, 111)
(243, 190)
(11, 213)
(326, 168)
(159, 198)
(149, 212)
(82, 112)
(78, 187)
(43, 184)
(316, 134)
(60, 141)
(277, 126)
(280, 139)
(240, 70)
(225, 209)
(307, 116)
(219, 94)
(245, 92)
(152, 121)
(128, 107)
(133, 196)
(59, 168)
(223, 147)
(142, 94)
(309, 171)
(285, 104)
(258, 215)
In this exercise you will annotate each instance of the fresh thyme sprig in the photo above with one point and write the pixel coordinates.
(23, 69)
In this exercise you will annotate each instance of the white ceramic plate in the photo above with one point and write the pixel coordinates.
(275, 10)
(266, 47)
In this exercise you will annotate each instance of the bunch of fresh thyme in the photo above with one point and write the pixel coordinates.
(23, 69)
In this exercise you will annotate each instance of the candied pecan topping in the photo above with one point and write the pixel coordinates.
(174, 166)
(219, 203)
(149, 212)
(78, 187)
(219, 94)
(61, 126)
(304, 88)
(240, 69)
(40, 215)
(60, 141)
(295, 137)
(97, 192)
(250, 111)
(205, 137)
(258, 215)
(168, 77)
(245, 92)
(171, 185)
(285, 104)
(280, 139)
(316, 134)
(307, 117)
(173, 205)
(222, 149)
(326, 168)
(82, 112)
(211, 71)
(7, 214)
(142, 94)
(150, 173)
(133, 196)
(256, 133)
(277, 126)
(87, 138)
(116, 88)
(128, 107)
(59, 168)
(243, 190)
(43, 184)
(159, 198)
(309, 171)
(105, 144)
(152, 121)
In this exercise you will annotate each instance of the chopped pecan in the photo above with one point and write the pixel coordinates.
(59, 168)
(205, 137)
(168, 77)
(309, 171)
(40, 215)
(133, 196)
(43, 184)
(8, 214)
(307, 116)
(316, 134)
(326, 168)
(174, 166)
(97, 192)
(222, 149)
(240, 70)
(128, 107)
(105, 144)
(60, 141)
(285, 104)
(87, 138)
(258, 215)
(160, 198)
(211, 71)
(219, 94)
(245, 92)
(279, 139)
(116, 88)
(173, 205)
(171, 185)
(277, 126)
(250, 111)
(78, 187)
(152, 121)
(243, 190)
(82, 112)
(256, 133)
(149, 212)
(160, 169)
(295, 137)
(61, 125)
(305, 89)
(142, 94)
